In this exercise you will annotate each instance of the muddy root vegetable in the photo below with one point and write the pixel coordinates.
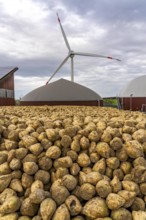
(62, 213)
(72, 162)
(114, 201)
(47, 208)
(95, 208)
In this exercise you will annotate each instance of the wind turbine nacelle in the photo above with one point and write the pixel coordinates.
(71, 53)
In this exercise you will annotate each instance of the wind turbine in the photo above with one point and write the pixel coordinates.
(71, 55)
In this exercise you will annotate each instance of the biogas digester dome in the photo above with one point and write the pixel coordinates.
(133, 96)
(62, 92)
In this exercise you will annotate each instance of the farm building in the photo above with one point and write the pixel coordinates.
(7, 85)
(62, 92)
(133, 96)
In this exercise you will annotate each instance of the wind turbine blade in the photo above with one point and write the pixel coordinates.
(94, 55)
(58, 69)
(63, 33)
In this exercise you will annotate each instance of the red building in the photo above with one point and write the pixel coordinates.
(7, 85)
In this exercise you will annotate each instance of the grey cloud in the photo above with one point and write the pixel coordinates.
(124, 31)
(109, 10)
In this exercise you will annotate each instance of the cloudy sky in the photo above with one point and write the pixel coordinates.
(31, 39)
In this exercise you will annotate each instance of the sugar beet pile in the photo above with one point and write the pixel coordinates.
(79, 163)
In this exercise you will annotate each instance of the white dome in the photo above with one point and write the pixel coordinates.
(136, 88)
(62, 90)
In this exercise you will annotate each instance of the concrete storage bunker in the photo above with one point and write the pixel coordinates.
(62, 92)
(133, 96)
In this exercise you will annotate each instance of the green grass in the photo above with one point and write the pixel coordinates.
(110, 102)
